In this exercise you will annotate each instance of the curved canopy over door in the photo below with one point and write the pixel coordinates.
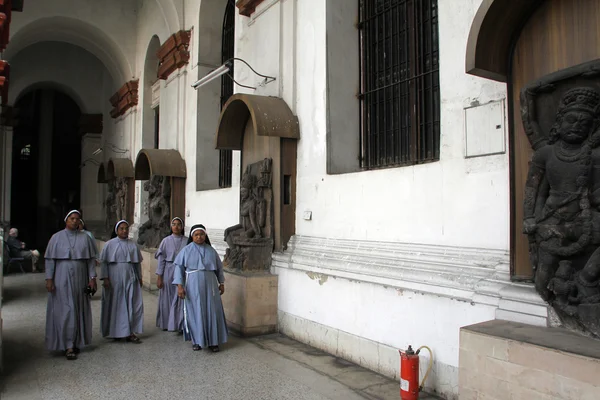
(167, 163)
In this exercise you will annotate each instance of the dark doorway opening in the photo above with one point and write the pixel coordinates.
(46, 178)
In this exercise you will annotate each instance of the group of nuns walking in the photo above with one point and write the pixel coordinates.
(189, 275)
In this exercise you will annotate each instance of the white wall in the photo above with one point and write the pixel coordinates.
(453, 202)
(439, 203)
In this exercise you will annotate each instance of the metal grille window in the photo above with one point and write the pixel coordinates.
(227, 50)
(400, 87)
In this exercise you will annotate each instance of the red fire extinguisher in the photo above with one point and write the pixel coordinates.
(409, 373)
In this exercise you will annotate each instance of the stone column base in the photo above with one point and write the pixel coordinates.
(250, 303)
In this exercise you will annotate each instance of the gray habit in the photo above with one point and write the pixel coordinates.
(70, 262)
(199, 269)
(122, 306)
(169, 314)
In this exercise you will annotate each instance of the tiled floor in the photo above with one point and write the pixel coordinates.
(164, 366)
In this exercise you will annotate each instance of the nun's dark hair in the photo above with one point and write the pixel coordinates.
(190, 239)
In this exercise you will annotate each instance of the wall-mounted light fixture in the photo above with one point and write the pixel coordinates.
(225, 69)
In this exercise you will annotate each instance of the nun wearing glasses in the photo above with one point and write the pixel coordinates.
(122, 313)
(200, 283)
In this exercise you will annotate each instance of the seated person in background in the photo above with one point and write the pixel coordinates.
(18, 249)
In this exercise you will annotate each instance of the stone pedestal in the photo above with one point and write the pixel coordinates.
(250, 302)
(508, 360)
(149, 264)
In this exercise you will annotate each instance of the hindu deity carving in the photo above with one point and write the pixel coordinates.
(110, 206)
(562, 201)
(251, 241)
(121, 189)
(159, 211)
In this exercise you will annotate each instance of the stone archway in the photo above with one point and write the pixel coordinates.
(265, 127)
(495, 28)
(551, 68)
(504, 45)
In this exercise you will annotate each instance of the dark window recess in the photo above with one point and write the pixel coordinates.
(227, 50)
(287, 189)
(400, 86)
(156, 126)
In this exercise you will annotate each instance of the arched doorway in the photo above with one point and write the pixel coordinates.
(46, 160)
(521, 42)
(559, 34)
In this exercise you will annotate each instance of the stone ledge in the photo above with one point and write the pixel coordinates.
(550, 338)
(501, 359)
(477, 276)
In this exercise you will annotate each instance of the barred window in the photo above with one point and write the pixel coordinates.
(400, 88)
(227, 50)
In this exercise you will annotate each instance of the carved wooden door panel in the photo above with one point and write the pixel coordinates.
(559, 35)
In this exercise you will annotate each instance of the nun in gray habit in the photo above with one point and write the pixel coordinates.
(169, 313)
(70, 270)
(200, 282)
(122, 307)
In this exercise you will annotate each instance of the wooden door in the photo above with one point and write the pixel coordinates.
(560, 34)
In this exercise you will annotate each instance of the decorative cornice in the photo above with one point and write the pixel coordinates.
(476, 276)
(247, 7)
(90, 123)
(173, 54)
(125, 98)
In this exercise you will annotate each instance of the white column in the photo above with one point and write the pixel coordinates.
(91, 191)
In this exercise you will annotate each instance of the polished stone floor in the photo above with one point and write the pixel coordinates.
(164, 366)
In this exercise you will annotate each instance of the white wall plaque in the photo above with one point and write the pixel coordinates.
(485, 128)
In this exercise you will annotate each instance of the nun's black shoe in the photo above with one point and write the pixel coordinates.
(196, 347)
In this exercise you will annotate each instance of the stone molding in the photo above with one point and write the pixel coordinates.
(173, 54)
(247, 7)
(125, 98)
(473, 275)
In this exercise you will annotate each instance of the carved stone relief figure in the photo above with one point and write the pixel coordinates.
(562, 201)
(110, 206)
(159, 211)
(121, 189)
(251, 241)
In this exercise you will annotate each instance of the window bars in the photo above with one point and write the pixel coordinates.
(227, 52)
(400, 90)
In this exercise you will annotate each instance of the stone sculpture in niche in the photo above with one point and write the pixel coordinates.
(251, 241)
(121, 188)
(159, 212)
(110, 207)
(562, 193)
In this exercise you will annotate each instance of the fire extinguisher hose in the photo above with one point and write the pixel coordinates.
(428, 368)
